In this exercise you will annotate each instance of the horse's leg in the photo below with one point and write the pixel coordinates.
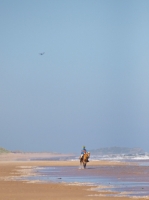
(81, 161)
(81, 164)
(84, 165)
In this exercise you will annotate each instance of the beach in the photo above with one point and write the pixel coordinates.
(13, 189)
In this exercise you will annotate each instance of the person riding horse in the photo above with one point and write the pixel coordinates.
(83, 151)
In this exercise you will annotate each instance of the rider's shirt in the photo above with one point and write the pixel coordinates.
(83, 151)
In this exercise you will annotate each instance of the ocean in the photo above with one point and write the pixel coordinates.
(98, 157)
(119, 157)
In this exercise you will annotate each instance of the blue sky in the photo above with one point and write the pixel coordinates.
(91, 87)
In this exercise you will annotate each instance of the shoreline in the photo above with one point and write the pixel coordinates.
(11, 187)
(28, 190)
(32, 156)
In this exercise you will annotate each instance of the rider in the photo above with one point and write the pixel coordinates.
(83, 151)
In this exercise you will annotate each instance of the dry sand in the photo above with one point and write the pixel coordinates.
(22, 190)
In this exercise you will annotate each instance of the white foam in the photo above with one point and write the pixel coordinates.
(117, 157)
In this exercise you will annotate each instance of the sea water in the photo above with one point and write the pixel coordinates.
(118, 157)
(111, 157)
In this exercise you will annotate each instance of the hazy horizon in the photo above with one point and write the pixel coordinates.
(90, 87)
(114, 149)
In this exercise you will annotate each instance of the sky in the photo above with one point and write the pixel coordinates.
(90, 87)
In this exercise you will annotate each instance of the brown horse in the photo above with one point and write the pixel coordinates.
(84, 159)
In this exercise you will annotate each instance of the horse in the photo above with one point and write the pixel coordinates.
(84, 159)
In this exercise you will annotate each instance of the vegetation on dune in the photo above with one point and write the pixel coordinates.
(2, 150)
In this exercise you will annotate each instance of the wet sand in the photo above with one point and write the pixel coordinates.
(10, 189)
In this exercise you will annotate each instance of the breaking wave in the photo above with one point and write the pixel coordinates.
(119, 157)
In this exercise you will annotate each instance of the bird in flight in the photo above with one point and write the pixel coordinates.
(41, 53)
